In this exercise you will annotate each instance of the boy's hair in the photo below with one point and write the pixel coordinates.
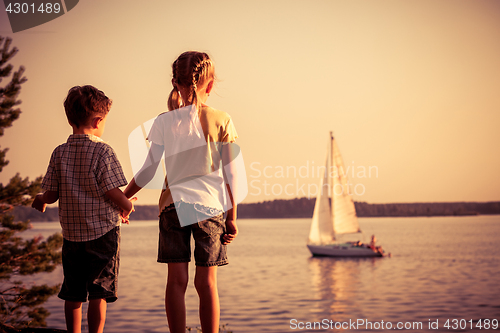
(82, 103)
(191, 69)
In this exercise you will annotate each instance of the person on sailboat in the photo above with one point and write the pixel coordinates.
(374, 247)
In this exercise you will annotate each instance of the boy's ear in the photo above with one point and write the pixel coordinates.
(95, 122)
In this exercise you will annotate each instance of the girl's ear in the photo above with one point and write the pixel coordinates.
(210, 85)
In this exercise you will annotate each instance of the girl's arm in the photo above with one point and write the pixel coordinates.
(147, 172)
(42, 199)
(231, 227)
(230, 172)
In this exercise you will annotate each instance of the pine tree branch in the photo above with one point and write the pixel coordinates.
(20, 306)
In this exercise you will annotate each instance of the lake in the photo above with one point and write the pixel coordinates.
(444, 273)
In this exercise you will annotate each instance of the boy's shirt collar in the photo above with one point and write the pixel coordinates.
(83, 137)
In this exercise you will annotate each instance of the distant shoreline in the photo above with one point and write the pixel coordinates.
(303, 208)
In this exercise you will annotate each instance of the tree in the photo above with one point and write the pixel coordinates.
(20, 306)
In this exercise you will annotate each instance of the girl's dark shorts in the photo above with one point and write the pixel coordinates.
(175, 241)
(91, 268)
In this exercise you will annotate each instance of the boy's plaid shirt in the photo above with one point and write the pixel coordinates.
(82, 170)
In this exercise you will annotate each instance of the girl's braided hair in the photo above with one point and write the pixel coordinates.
(190, 70)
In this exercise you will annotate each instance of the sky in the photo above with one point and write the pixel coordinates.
(409, 88)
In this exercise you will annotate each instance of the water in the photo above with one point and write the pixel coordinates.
(441, 269)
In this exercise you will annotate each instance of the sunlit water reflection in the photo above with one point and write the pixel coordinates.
(441, 268)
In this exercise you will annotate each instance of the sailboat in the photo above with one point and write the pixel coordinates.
(335, 216)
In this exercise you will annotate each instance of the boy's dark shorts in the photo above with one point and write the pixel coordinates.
(91, 268)
(174, 245)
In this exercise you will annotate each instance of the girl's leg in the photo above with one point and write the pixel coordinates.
(97, 315)
(205, 282)
(73, 314)
(175, 306)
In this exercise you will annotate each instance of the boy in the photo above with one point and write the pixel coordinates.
(85, 175)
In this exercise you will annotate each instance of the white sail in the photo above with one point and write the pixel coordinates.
(322, 225)
(336, 216)
(344, 212)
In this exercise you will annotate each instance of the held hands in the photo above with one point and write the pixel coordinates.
(231, 231)
(38, 203)
(125, 214)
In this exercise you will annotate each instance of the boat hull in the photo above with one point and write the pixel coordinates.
(342, 250)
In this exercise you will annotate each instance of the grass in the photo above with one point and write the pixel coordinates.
(222, 329)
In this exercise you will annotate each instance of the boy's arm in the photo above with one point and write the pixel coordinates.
(42, 199)
(127, 206)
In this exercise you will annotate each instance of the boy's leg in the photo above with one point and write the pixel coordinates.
(175, 306)
(205, 282)
(73, 314)
(97, 315)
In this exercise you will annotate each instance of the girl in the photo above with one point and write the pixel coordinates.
(194, 139)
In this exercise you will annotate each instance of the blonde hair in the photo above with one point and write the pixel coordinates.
(190, 70)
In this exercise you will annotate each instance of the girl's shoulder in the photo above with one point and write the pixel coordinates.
(215, 114)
